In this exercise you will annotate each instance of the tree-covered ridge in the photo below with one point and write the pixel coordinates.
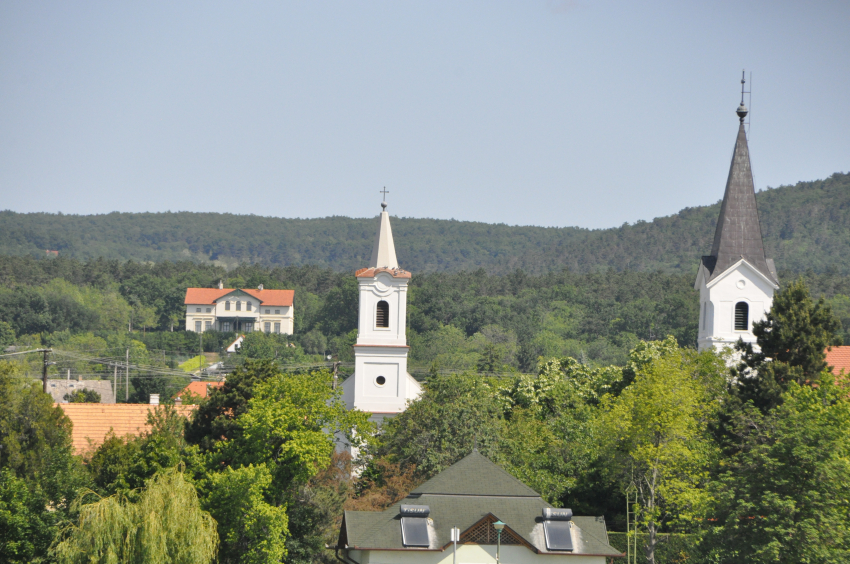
(805, 226)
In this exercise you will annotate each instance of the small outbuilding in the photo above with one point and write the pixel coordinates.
(476, 497)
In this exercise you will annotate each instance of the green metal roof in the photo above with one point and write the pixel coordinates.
(461, 496)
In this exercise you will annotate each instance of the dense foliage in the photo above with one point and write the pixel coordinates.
(457, 321)
(805, 226)
(718, 477)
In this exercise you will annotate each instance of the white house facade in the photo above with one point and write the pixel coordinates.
(240, 309)
(736, 282)
(380, 384)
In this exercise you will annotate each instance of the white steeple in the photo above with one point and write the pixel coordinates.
(380, 384)
(383, 251)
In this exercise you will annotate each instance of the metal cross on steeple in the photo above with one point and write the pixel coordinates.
(384, 192)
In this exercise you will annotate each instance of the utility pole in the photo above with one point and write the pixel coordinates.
(127, 378)
(336, 375)
(115, 383)
(44, 370)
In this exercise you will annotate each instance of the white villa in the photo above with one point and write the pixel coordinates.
(239, 309)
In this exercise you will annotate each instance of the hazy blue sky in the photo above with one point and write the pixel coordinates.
(542, 112)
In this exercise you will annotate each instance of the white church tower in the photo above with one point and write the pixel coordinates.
(380, 384)
(736, 282)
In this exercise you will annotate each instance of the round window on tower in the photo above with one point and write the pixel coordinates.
(380, 381)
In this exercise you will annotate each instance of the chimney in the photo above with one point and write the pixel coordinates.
(178, 401)
(260, 287)
(154, 399)
(221, 284)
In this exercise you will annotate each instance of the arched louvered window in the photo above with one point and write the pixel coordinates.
(382, 314)
(742, 316)
(238, 305)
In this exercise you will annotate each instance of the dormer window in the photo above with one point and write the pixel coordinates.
(238, 305)
(742, 316)
(227, 306)
(382, 314)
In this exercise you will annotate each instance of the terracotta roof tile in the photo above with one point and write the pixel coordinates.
(201, 388)
(282, 298)
(95, 420)
(208, 296)
(372, 272)
(839, 359)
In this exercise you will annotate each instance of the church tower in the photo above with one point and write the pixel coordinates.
(736, 282)
(380, 384)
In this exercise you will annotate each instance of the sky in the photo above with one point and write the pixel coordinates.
(540, 112)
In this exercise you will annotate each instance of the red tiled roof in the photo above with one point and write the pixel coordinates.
(205, 295)
(208, 296)
(200, 388)
(839, 359)
(273, 297)
(372, 272)
(95, 420)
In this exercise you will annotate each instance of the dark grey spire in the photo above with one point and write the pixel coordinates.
(738, 233)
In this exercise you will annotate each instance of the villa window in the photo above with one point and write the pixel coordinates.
(277, 327)
(238, 305)
(268, 311)
(227, 306)
(249, 307)
(249, 327)
(197, 310)
(197, 327)
(225, 326)
(209, 310)
(207, 325)
(382, 315)
(277, 312)
(267, 327)
(742, 316)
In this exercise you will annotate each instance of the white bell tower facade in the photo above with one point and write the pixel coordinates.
(736, 282)
(380, 384)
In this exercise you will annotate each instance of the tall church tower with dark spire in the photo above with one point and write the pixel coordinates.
(736, 282)
(380, 384)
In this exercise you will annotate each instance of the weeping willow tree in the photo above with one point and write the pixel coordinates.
(165, 526)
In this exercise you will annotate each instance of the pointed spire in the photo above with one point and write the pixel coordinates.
(738, 233)
(383, 252)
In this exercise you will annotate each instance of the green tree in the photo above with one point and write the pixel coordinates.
(7, 334)
(454, 413)
(784, 496)
(82, 396)
(39, 474)
(792, 341)
(165, 525)
(215, 419)
(283, 438)
(26, 528)
(655, 437)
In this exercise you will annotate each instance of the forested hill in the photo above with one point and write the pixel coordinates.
(805, 226)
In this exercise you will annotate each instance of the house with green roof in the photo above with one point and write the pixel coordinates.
(471, 496)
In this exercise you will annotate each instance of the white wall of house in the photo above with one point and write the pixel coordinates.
(469, 554)
(740, 283)
(280, 319)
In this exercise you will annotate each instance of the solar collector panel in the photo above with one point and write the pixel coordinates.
(414, 531)
(558, 535)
